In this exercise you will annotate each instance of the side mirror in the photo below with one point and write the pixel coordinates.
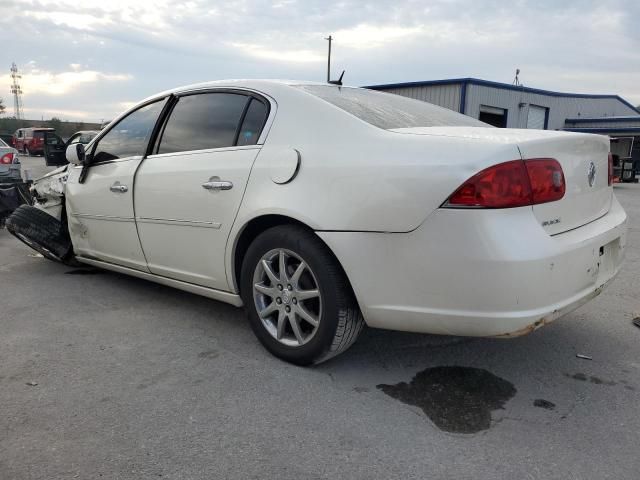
(75, 154)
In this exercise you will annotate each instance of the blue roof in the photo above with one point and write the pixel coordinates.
(503, 86)
(633, 118)
(603, 130)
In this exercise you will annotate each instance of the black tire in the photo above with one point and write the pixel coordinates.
(43, 233)
(340, 322)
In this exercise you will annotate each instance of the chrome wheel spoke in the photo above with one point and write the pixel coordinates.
(268, 310)
(307, 294)
(267, 269)
(295, 278)
(282, 324)
(269, 291)
(295, 326)
(306, 316)
(282, 266)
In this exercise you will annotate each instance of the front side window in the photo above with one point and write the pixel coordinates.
(203, 121)
(130, 136)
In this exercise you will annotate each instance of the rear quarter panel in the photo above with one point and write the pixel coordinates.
(354, 176)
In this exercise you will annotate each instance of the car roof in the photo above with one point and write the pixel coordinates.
(264, 85)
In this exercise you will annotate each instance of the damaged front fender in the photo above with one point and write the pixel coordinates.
(48, 192)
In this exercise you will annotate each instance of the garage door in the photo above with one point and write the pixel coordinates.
(536, 117)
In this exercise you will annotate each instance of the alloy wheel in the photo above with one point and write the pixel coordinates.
(287, 297)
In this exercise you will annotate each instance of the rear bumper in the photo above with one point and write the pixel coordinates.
(479, 273)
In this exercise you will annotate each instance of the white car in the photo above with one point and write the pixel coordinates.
(320, 208)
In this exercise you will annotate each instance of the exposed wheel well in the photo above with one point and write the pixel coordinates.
(254, 228)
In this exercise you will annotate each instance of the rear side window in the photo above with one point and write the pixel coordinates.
(38, 134)
(130, 136)
(387, 110)
(203, 121)
(253, 123)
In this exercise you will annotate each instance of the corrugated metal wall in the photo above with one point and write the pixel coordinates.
(560, 108)
(447, 96)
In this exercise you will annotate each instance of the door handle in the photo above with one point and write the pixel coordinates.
(118, 188)
(217, 185)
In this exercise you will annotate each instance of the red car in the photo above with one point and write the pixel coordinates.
(30, 140)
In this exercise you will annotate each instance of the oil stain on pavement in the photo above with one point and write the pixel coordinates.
(456, 399)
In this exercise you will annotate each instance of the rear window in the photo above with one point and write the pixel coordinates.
(387, 110)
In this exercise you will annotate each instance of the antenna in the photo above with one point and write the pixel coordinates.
(339, 81)
(16, 90)
(516, 81)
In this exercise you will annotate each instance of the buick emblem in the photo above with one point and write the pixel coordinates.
(591, 174)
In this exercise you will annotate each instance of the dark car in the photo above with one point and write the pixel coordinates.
(55, 148)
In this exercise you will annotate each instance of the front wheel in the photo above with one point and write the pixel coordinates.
(298, 299)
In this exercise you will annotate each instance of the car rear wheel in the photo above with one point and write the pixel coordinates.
(298, 299)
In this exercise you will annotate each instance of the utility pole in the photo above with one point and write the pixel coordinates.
(16, 90)
(330, 39)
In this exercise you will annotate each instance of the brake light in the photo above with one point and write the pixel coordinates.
(610, 169)
(7, 159)
(512, 184)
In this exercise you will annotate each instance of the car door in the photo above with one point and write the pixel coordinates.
(100, 208)
(188, 192)
(54, 149)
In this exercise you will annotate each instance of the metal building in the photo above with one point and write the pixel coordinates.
(517, 106)
(511, 106)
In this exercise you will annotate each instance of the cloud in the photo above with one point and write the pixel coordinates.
(374, 36)
(46, 82)
(97, 56)
(295, 56)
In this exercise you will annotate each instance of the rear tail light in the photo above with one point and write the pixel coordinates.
(6, 159)
(512, 184)
(610, 169)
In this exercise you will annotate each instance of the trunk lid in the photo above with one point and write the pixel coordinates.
(585, 163)
(584, 159)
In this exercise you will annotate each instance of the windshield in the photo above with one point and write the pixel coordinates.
(388, 111)
(2, 144)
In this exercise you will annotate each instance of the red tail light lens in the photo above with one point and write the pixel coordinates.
(610, 169)
(512, 184)
(547, 180)
(7, 159)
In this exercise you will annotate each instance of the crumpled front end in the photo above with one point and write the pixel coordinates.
(48, 192)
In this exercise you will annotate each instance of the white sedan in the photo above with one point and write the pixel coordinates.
(321, 208)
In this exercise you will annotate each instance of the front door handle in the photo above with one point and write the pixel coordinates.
(216, 184)
(118, 188)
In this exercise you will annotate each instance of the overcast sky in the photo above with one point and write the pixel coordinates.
(90, 59)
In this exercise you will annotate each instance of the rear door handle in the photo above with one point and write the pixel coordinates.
(216, 184)
(118, 188)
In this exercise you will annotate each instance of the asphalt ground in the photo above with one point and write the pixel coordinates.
(107, 376)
